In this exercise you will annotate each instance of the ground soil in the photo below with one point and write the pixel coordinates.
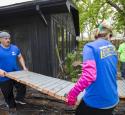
(40, 104)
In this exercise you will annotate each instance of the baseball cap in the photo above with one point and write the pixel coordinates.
(4, 34)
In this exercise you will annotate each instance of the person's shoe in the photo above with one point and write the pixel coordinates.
(22, 102)
(4, 106)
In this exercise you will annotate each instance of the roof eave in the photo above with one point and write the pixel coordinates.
(31, 5)
(75, 15)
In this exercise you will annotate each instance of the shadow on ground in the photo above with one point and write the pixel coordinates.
(37, 104)
(40, 104)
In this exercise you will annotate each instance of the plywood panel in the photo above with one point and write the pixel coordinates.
(121, 88)
(53, 86)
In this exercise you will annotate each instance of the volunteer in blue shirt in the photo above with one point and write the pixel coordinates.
(9, 54)
(98, 78)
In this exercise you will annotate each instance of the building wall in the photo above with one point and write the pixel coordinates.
(37, 40)
(31, 35)
(19, 28)
(41, 46)
(63, 35)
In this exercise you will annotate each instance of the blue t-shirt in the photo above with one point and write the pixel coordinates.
(102, 93)
(8, 60)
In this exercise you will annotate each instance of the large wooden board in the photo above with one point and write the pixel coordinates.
(121, 88)
(52, 86)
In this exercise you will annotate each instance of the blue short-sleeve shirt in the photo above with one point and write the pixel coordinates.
(8, 59)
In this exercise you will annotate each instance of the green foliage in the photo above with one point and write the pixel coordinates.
(70, 70)
(91, 11)
(70, 59)
(73, 61)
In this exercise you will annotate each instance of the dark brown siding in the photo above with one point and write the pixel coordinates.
(37, 40)
(41, 46)
(63, 35)
(31, 35)
(19, 28)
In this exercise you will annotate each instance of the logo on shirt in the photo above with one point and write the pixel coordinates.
(13, 53)
(106, 51)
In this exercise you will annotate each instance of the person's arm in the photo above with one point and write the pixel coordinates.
(22, 62)
(119, 52)
(88, 76)
(2, 73)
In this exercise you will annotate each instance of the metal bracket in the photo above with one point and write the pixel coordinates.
(41, 14)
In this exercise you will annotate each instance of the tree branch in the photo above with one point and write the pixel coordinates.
(115, 6)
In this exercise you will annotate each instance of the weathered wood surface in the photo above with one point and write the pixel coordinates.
(52, 86)
(121, 88)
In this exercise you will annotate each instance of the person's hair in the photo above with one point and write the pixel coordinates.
(103, 31)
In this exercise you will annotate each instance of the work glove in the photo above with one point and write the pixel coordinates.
(71, 98)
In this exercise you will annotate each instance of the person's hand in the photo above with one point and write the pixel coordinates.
(71, 99)
(25, 68)
(2, 73)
